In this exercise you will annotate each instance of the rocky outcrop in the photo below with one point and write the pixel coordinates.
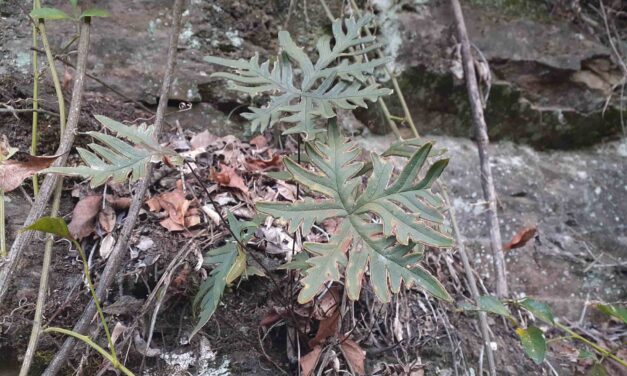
(576, 200)
(550, 86)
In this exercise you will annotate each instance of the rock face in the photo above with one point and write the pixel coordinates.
(549, 83)
(577, 201)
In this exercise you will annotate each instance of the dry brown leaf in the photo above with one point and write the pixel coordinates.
(521, 238)
(326, 306)
(153, 204)
(119, 203)
(309, 361)
(106, 218)
(180, 213)
(13, 173)
(287, 191)
(228, 177)
(6, 151)
(106, 246)
(327, 328)
(202, 140)
(355, 356)
(261, 165)
(84, 216)
(259, 141)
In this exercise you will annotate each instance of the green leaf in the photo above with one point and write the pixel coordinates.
(407, 148)
(299, 262)
(74, 3)
(117, 159)
(538, 309)
(229, 263)
(94, 12)
(49, 14)
(310, 91)
(533, 343)
(597, 370)
(391, 249)
(51, 225)
(491, 304)
(586, 354)
(614, 311)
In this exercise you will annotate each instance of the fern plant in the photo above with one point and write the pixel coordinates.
(117, 160)
(391, 245)
(229, 262)
(312, 90)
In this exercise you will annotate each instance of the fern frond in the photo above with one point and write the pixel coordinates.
(317, 88)
(409, 215)
(117, 160)
(228, 262)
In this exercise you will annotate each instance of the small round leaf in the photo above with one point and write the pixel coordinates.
(533, 343)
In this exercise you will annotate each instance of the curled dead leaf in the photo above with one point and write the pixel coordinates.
(106, 218)
(261, 165)
(228, 177)
(521, 238)
(84, 216)
(13, 173)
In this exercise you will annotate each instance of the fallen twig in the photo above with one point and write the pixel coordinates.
(115, 258)
(481, 133)
(75, 106)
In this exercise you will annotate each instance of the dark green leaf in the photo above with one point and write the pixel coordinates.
(50, 225)
(533, 343)
(491, 304)
(49, 14)
(538, 309)
(93, 12)
(299, 262)
(614, 311)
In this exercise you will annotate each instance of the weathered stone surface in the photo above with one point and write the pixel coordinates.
(577, 200)
(549, 85)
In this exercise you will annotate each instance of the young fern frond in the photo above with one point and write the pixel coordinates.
(229, 262)
(408, 213)
(115, 160)
(313, 90)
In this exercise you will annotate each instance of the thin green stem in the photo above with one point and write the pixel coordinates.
(35, 131)
(53, 71)
(93, 345)
(43, 287)
(3, 240)
(95, 297)
(601, 350)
